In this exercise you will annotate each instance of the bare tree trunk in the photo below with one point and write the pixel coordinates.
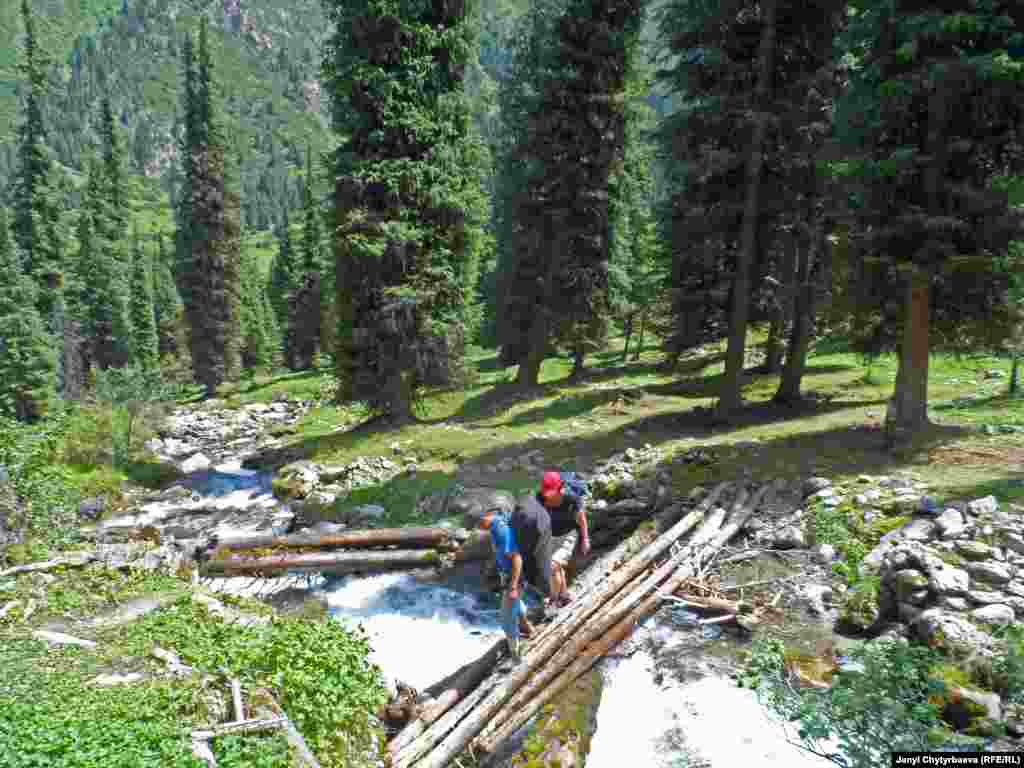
(1014, 372)
(640, 341)
(773, 346)
(579, 355)
(627, 327)
(908, 408)
(731, 394)
(803, 319)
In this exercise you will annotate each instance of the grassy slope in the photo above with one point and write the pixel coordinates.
(620, 406)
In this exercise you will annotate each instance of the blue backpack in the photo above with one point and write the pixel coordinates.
(574, 485)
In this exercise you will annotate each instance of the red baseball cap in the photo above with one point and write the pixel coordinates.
(551, 484)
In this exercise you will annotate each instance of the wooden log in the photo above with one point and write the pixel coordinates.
(548, 643)
(323, 562)
(411, 538)
(605, 620)
(536, 696)
(236, 699)
(255, 725)
(202, 752)
(74, 561)
(292, 735)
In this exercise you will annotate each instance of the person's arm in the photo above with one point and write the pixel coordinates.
(517, 571)
(581, 522)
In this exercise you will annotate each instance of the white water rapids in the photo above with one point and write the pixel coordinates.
(421, 631)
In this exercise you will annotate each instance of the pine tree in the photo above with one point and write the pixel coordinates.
(933, 119)
(167, 306)
(282, 273)
(409, 201)
(145, 340)
(36, 204)
(555, 280)
(28, 359)
(209, 270)
(305, 309)
(115, 183)
(257, 323)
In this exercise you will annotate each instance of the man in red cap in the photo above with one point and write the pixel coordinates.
(569, 520)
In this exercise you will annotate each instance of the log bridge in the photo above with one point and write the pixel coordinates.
(482, 704)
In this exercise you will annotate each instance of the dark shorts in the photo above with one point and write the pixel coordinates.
(532, 525)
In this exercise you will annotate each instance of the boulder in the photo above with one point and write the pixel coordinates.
(813, 485)
(790, 537)
(195, 463)
(1014, 542)
(990, 572)
(824, 554)
(974, 550)
(984, 506)
(472, 503)
(919, 530)
(981, 597)
(998, 614)
(296, 480)
(942, 629)
(949, 580)
(950, 524)
(318, 506)
(92, 508)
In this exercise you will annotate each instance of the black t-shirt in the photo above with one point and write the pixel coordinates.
(563, 517)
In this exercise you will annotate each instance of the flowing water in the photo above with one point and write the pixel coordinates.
(667, 702)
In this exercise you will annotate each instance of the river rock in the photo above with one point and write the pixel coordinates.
(1014, 542)
(813, 485)
(909, 581)
(981, 597)
(366, 514)
(195, 463)
(991, 572)
(950, 524)
(974, 550)
(984, 506)
(953, 603)
(940, 628)
(92, 508)
(824, 554)
(296, 480)
(949, 580)
(318, 506)
(790, 537)
(473, 503)
(919, 530)
(998, 614)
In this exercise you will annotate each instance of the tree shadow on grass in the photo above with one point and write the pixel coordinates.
(257, 386)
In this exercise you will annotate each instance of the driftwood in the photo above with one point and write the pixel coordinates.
(323, 562)
(412, 538)
(539, 651)
(532, 697)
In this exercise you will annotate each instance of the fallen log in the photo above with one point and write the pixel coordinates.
(542, 648)
(447, 694)
(322, 562)
(608, 617)
(255, 725)
(534, 696)
(74, 561)
(413, 538)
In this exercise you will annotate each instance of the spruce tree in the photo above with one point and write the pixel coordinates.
(115, 183)
(28, 359)
(209, 270)
(35, 196)
(933, 121)
(409, 204)
(282, 273)
(305, 309)
(257, 324)
(103, 301)
(555, 280)
(167, 306)
(145, 340)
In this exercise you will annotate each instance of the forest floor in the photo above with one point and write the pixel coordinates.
(970, 450)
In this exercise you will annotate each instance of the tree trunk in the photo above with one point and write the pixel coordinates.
(803, 322)
(731, 395)
(773, 346)
(407, 537)
(579, 355)
(627, 328)
(640, 341)
(1014, 372)
(908, 408)
(331, 562)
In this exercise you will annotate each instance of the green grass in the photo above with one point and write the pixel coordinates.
(835, 432)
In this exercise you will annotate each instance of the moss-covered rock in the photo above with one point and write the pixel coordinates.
(861, 607)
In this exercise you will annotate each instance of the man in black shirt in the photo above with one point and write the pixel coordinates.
(568, 519)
